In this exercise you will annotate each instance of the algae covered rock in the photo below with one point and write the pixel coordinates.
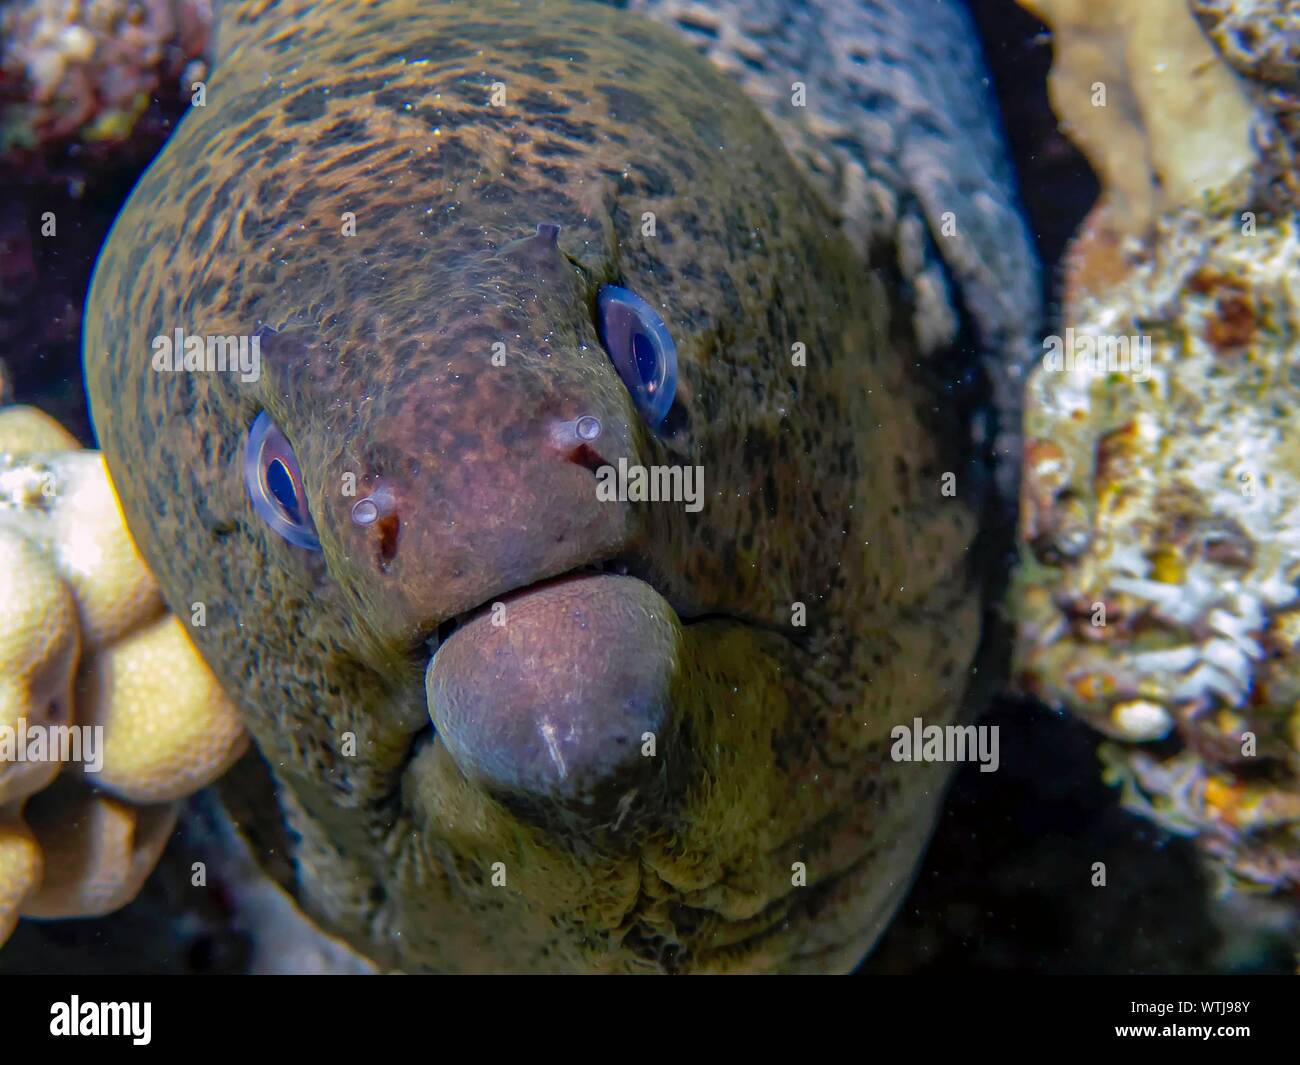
(1160, 519)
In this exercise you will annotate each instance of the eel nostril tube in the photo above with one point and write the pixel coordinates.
(378, 511)
(370, 509)
(575, 439)
(581, 430)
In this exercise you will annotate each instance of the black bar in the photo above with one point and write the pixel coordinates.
(374, 1016)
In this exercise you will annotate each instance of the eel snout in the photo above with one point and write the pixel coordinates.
(560, 692)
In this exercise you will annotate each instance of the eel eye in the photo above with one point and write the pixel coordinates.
(274, 484)
(640, 348)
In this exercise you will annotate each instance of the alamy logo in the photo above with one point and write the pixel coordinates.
(53, 743)
(651, 484)
(1094, 354)
(194, 353)
(919, 742)
(103, 1018)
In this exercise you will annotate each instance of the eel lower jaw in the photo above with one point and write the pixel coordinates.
(549, 691)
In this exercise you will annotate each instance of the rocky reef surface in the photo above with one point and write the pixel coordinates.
(1157, 594)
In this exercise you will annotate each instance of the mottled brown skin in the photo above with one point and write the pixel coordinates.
(823, 483)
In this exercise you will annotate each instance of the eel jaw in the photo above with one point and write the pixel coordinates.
(444, 631)
(550, 693)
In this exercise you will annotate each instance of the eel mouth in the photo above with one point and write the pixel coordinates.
(549, 690)
(618, 567)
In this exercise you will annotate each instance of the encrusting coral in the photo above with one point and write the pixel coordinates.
(1260, 40)
(1157, 593)
(89, 659)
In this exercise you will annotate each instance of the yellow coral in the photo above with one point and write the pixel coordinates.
(73, 586)
(98, 851)
(38, 656)
(167, 725)
(21, 866)
(28, 431)
(84, 530)
(1139, 88)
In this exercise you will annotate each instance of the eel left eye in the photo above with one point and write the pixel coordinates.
(640, 348)
(274, 484)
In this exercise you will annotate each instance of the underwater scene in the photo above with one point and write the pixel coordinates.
(663, 486)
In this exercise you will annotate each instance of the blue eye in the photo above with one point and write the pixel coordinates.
(274, 484)
(640, 348)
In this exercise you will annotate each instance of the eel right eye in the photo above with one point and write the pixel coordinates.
(274, 484)
(642, 351)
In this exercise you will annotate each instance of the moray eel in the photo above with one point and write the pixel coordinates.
(489, 253)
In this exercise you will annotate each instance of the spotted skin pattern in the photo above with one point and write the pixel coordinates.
(823, 481)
